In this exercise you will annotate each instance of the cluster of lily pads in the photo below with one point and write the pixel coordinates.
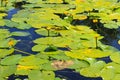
(62, 44)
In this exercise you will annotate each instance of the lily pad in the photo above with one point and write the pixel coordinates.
(79, 64)
(108, 73)
(115, 57)
(45, 32)
(94, 70)
(5, 52)
(6, 71)
(11, 60)
(44, 75)
(20, 33)
(32, 61)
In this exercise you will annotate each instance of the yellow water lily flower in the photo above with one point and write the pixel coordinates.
(94, 20)
(11, 43)
(21, 67)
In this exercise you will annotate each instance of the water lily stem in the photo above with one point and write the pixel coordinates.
(23, 52)
(48, 32)
(96, 46)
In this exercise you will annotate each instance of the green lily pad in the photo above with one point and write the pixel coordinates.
(6, 71)
(11, 60)
(2, 22)
(7, 43)
(115, 65)
(32, 61)
(23, 72)
(48, 66)
(115, 57)
(20, 33)
(44, 32)
(5, 52)
(117, 77)
(20, 25)
(42, 56)
(60, 56)
(39, 47)
(4, 33)
(91, 61)
(111, 25)
(108, 73)
(44, 75)
(94, 70)
(79, 64)
(84, 53)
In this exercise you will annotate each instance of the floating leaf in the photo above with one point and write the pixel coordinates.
(48, 66)
(44, 75)
(115, 65)
(32, 61)
(60, 56)
(84, 53)
(117, 77)
(5, 52)
(6, 71)
(45, 32)
(111, 25)
(4, 33)
(108, 73)
(115, 57)
(5, 43)
(20, 33)
(93, 70)
(79, 64)
(2, 22)
(11, 60)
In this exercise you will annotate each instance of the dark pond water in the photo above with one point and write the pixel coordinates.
(26, 44)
